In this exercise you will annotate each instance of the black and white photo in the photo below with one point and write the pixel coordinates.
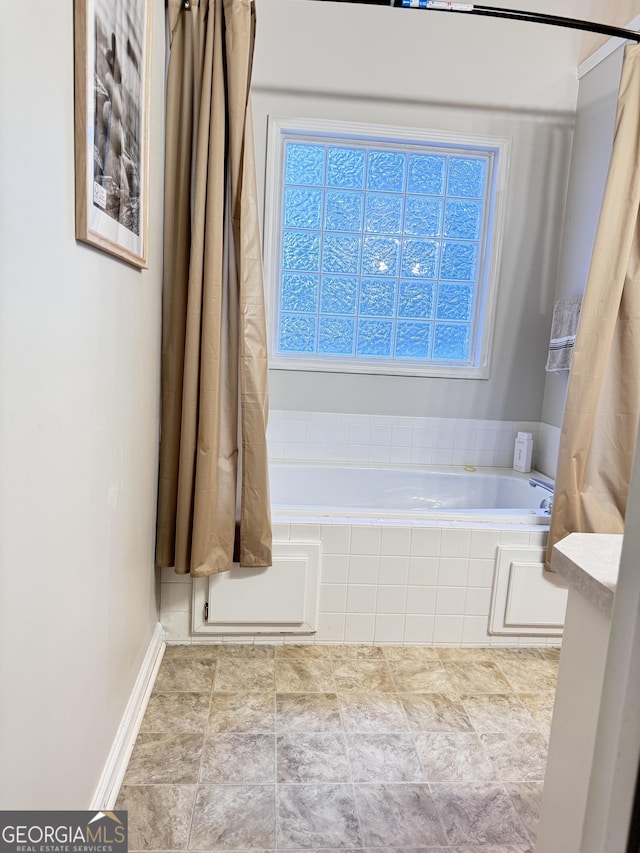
(112, 57)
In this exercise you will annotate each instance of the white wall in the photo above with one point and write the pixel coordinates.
(406, 68)
(592, 143)
(79, 391)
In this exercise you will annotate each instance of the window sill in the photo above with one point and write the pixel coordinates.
(446, 370)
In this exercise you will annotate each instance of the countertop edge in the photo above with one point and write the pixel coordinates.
(589, 563)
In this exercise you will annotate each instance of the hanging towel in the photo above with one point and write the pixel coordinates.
(563, 333)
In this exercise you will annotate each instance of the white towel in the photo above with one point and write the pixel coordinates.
(564, 326)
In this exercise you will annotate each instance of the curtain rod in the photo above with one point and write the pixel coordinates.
(495, 12)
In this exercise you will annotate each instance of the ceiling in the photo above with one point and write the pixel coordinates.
(617, 13)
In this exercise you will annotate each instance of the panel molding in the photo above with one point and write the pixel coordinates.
(303, 618)
(525, 601)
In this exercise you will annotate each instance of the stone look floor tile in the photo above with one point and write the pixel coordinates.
(526, 798)
(417, 653)
(247, 651)
(304, 676)
(180, 673)
(233, 817)
(307, 712)
(454, 757)
(500, 653)
(554, 666)
(414, 676)
(550, 653)
(466, 654)
(398, 815)
(159, 815)
(238, 673)
(312, 757)
(317, 816)
(176, 712)
(477, 677)
(528, 675)
(238, 758)
(384, 758)
(362, 675)
(435, 712)
(164, 758)
(456, 712)
(517, 757)
(305, 651)
(408, 850)
(540, 706)
(511, 848)
(497, 712)
(357, 652)
(372, 711)
(241, 712)
(191, 651)
(477, 813)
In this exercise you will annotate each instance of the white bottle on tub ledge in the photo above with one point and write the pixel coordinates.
(522, 452)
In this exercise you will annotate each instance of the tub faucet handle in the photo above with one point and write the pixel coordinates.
(547, 505)
(543, 484)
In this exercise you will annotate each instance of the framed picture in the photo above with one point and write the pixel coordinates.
(112, 53)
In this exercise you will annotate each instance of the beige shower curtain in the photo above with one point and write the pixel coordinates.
(603, 398)
(214, 357)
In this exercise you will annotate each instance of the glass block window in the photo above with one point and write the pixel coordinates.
(381, 251)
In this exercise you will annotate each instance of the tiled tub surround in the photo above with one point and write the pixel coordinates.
(417, 582)
(345, 747)
(331, 437)
(397, 583)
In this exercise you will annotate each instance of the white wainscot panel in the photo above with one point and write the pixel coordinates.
(282, 598)
(525, 599)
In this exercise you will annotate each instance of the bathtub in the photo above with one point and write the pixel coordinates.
(427, 493)
(374, 553)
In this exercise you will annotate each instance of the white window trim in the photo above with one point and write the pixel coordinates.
(281, 128)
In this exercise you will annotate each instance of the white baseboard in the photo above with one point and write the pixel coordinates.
(108, 787)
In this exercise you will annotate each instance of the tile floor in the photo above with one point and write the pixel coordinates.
(342, 747)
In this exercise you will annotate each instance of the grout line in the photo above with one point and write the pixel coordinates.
(348, 757)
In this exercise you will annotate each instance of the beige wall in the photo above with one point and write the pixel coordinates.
(79, 378)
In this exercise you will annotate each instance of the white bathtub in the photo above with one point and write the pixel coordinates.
(413, 492)
(370, 553)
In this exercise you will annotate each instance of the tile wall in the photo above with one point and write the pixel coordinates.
(389, 583)
(322, 436)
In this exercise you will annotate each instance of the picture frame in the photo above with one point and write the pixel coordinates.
(112, 82)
